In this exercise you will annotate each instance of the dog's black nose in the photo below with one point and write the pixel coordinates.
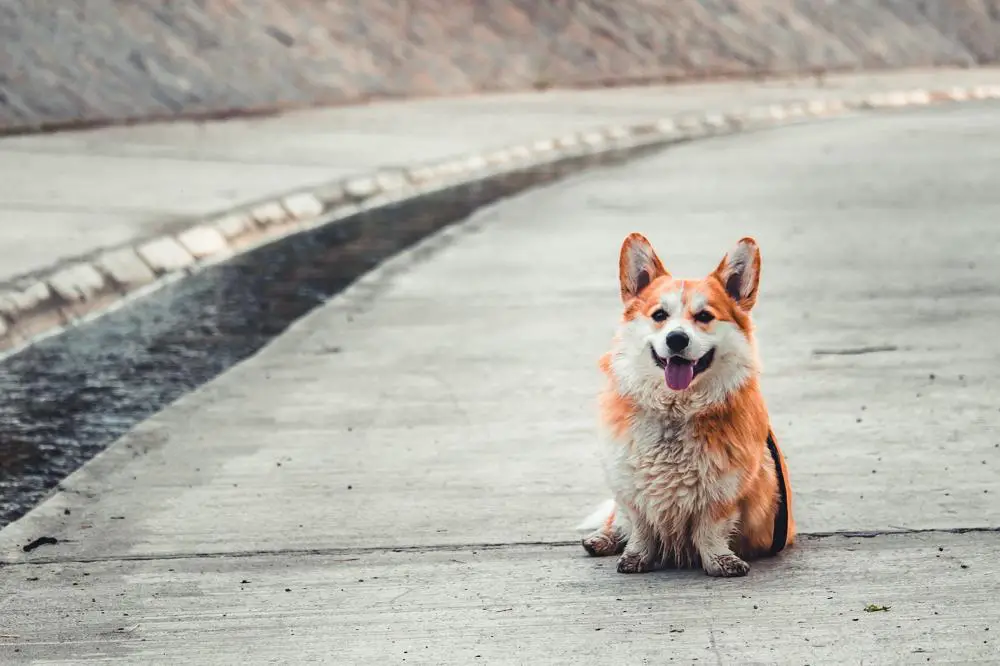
(677, 341)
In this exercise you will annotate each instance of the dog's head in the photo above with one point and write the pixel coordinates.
(685, 337)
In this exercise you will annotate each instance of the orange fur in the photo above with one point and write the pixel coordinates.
(708, 487)
(737, 431)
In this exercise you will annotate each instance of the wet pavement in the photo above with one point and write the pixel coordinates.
(63, 400)
(66, 398)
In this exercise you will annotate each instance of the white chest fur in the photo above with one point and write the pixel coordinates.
(659, 470)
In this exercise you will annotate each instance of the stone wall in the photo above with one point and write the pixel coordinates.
(92, 61)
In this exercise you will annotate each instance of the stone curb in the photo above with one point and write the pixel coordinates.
(67, 295)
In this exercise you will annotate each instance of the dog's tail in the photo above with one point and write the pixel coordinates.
(600, 517)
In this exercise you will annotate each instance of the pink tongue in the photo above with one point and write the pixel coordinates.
(679, 375)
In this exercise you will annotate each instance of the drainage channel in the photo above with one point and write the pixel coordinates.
(66, 398)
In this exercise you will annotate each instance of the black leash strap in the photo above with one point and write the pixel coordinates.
(780, 534)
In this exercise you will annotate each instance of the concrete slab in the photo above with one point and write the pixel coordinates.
(451, 400)
(445, 402)
(161, 174)
(536, 604)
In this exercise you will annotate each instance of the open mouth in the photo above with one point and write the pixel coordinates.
(679, 371)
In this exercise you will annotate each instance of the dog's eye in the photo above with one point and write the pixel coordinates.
(704, 316)
(659, 315)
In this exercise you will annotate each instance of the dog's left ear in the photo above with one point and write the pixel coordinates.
(739, 273)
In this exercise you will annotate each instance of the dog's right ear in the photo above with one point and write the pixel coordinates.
(638, 266)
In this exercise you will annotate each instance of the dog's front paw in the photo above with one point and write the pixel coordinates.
(632, 562)
(726, 566)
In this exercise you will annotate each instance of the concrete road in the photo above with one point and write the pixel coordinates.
(397, 477)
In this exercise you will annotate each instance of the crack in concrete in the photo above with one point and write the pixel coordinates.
(871, 534)
(855, 351)
(345, 554)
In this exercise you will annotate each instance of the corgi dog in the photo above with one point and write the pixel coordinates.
(692, 461)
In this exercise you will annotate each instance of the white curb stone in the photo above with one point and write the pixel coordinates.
(33, 310)
(125, 268)
(164, 255)
(77, 283)
(235, 225)
(303, 206)
(360, 188)
(203, 241)
(269, 213)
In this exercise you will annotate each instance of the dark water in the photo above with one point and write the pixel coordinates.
(65, 399)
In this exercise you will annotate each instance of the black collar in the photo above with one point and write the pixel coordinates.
(780, 534)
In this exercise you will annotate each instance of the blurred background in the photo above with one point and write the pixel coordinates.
(93, 61)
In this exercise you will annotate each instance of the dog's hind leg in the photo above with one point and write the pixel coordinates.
(611, 536)
(606, 541)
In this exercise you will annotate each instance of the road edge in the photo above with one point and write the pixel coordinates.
(70, 294)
